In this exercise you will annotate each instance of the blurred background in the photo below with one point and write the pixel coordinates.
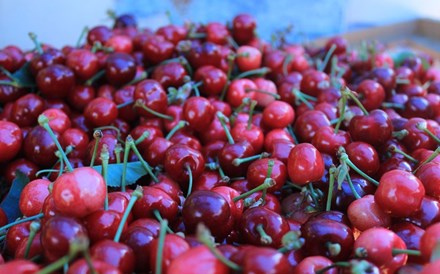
(59, 22)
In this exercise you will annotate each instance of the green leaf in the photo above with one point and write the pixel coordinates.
(23, 77)
(10, 203)
(135, 170)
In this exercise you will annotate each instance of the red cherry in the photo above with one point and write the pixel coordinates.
(312, 264)
(248, 58)
(305, 164)
(372, 94)
(278, 114)
(81, 266)
(213, 80)
(198, 112)
(197, 260)
(11, 139)
(58, 120)
(83, 62)
(55, 81)
(32, 197)
(173, 246)
(120, 68)
(101, 112)
(26, 109)
(429, 241)
(364, 214)
(80, 192)
(308, 123)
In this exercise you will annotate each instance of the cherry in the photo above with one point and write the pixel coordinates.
(265, 260)
(120, 43)
(173, 246)
(429, 241)
(248, 58)
(372, 94)
(278, 114)
(213, 80)
(327, 140)
(172, 33)
(102, 224)
(257, 173)
(39, 147)
(312, 264)
(77, 139)
(58, 120)
(26, 109)
(377, 245)
(305, 164)
(209, 208)
(364, 156)
(411, 235)
(374, 129)
(55, 81)
(15, 235)
(33, 196)
(80, 96)
(19, 266)
(79, 192)
(197, 260)
(198, 112)
(110, 141)
(416, 137)
(117, 254)
(11, 140)
(139, 239)
(99, 34)
(101, 112)
(50, 56)
(250, 133)
(23, 165)
(344, 196)
(170, 74)
(83, 62)
(157, 49)
(155, 200)
(364, 214)
(327, 238)
(120, 68)
(151, 94)
(308, 123)
(57, 233)
(313, 82)
(236, 91)
(9, 93)
(263, 227)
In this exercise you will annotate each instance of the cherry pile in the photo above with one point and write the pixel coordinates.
(203, 149)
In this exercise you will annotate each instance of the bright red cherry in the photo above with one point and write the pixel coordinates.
(305, 164)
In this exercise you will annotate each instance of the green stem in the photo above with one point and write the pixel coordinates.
(95, 77)
(395, 149)
(141, 138)
(292, 134)
(264, 237)
(412, 252)
(144, 163)
(232, 42)
(342, 107)
(331, 184)
(105, 156)
(353, 190)
(34, 228)
(176, 128)
(156, 214)
(267, 184)
(127, 149)
(262, 91)
(231, 59)
(190, 180)
(430, 158)
(239, 161)
(392, 105)
(137, 194)
(344, 158)
(223, 120)
(143, 76)
(288, 59)
(34, 39)
(422, 127)
(251, 113)
(97, 135)
(327, 58)
(118, 150)
(81, 36)
(44, 122)
(313, 194)
(256, 72)
(139, 103)
(356, 100)
(161, 242)
(89, 262)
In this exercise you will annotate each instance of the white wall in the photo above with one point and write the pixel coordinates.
(57, 22)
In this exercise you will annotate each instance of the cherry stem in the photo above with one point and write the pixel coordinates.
(343, 157)
(256, 72)
(342, 107)
(20, 221)
(262, 91)
(60, 160)
(78, 245)
(139, 103)
(292, 134)
(9, 75)
(223, 120)
(161, 242)
(196, 35)
(356, 100)
(329, 53)
(402, 81)
(429, 159)
(143, 76)
(44, 122)
(190, 180)
(327, 268)
(267, 184)
(118, 149)
(353, 190)
(144, 163)
(223, 176)
(127, 149)
(252, 106)
(105, 156)
(232, 42)
(118, 131)
(393, 105)
(395, 149)
(34, 39)
(124, 104)
(288, 59)
(239, 161)
(176, 128)
(81, 36)
(264, 237)
(231, 59)
(97, 135)
(9, 83)
(141, 138)
(204, 236)
(291, 241)
(301, 97)
(399, 135)
(89, 262)
(333, 248)
(33, 229)
(95, 77)
(137, 194)
(313, 194)
(422, 127)
(156, 214)
(331, 184)
(412, 252)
